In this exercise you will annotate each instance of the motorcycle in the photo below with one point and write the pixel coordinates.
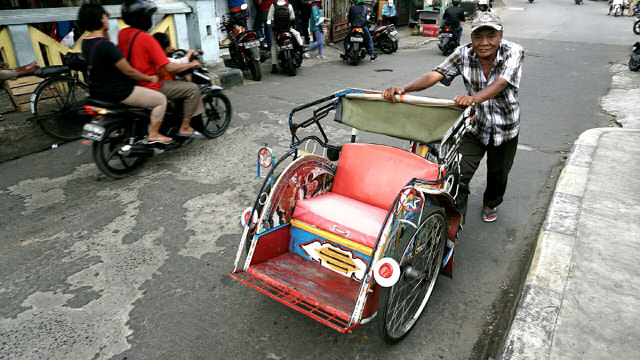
(634, 60)
(289, 52)
(244, 46)
(385, 38)
(448, 40)
(118, 133)
(356, 49)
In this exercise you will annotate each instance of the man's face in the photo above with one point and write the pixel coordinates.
(485, 41)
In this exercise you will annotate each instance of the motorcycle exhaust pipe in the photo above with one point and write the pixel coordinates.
(137, 150)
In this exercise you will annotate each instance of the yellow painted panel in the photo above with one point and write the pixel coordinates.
(6, 48)
(167, 26)
(54, 49)
(349, 244)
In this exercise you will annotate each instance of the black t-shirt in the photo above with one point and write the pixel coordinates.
(358, 15)
(106, 82)
(453, 15)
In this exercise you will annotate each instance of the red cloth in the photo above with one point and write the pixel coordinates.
(146, 54)
(265, 5)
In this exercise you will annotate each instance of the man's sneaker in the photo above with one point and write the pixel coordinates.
(274, 69)
(321, 57)
(374, 57)
(307, 56)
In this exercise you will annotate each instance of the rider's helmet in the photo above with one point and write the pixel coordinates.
(137, 13)
(455, 2)
(483, 5)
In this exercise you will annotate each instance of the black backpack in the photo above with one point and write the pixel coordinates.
(281, 21)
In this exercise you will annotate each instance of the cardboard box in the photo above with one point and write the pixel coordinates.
(430, 30)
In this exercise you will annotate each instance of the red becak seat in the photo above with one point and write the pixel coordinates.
(367, 180)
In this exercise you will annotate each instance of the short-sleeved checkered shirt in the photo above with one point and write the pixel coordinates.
(498, 119)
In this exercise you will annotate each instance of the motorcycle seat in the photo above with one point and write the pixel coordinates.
(113, 106)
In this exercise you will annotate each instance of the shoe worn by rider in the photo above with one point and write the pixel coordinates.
(146, 55)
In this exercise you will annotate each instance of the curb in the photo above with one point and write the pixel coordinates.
(532, 329)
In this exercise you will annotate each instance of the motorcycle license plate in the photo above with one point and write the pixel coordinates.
(92, 132)
(283, 47)
(252, 44)
(356, 39)
(447, 35)
(394, 33)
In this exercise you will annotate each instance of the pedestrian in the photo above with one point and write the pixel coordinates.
(8, 73)
(389, 13)
(491, 69)
(315, 25)
(260, 25)
(305, 12)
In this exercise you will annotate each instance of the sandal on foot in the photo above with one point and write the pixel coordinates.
(486, 214)
(196, 135)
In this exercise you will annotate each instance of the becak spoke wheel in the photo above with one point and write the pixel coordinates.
(419, 253)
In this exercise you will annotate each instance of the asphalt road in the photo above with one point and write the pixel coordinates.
(137, 268)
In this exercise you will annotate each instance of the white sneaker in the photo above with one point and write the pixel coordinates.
(321, 57)
(307, 56)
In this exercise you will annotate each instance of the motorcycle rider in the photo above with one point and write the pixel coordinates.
(484, 5)
(453, 16)
(281, 18)
(357, 17)
(145, 54)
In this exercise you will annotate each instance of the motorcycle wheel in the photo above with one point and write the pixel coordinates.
(354, 56)
(395, 45)
(448, 48)
(217, 115)
(291, 68)
(106, 153)
(634, 65)
(636, 27)
(386, 45)
(255, 69)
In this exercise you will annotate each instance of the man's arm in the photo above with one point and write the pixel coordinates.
(176, 68)
(423, 82)
(126, 68)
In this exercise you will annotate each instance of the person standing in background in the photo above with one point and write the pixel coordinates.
(261, 21)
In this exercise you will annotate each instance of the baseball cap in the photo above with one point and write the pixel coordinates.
(488, 19)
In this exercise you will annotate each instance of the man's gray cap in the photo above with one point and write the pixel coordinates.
(488, 19)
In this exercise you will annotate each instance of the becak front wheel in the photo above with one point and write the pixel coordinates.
(419, 254)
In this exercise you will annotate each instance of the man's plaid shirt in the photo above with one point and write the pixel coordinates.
(498, 119)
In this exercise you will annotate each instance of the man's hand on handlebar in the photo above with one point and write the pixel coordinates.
(194, 64)
(390, 93)
(462, 101)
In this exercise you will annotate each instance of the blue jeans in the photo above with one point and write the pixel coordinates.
(459, 34)
(318, 43)
(367, 37)
(258, 23)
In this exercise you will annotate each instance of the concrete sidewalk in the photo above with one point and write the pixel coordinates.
(581, 298)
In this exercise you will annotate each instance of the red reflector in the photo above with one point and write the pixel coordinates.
(386, 270)
(86, 142)
(88, 109)
(358, 30)
(447, 29)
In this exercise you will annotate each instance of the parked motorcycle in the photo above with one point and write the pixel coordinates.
(385, 38)
(289, 52)
(634, 60)
(356, 49)
(118, 133)
(244, 48)
(448, 40)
